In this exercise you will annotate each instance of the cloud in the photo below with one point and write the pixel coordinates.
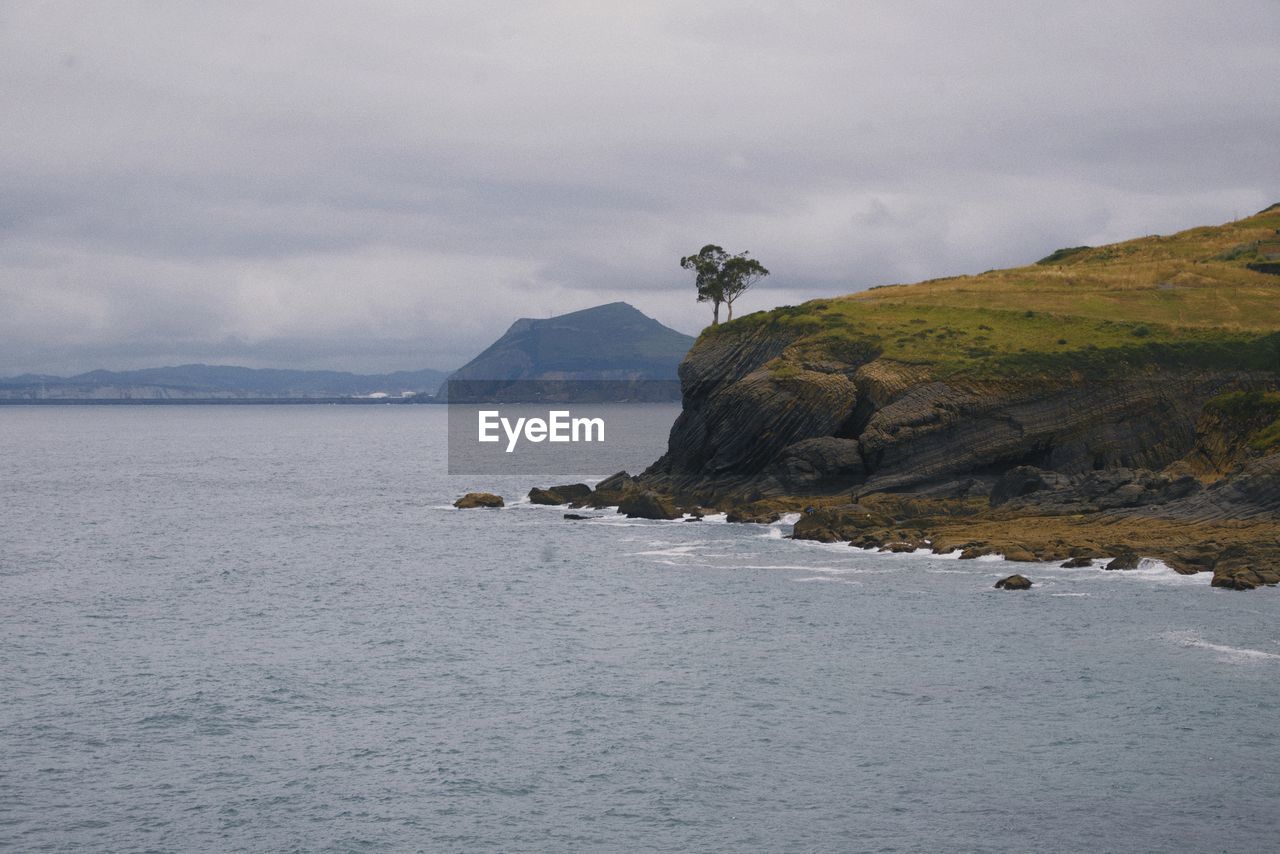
(365, 187)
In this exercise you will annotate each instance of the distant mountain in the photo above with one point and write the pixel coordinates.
(217, 382)
(612, 343)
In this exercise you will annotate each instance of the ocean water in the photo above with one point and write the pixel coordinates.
(264, 628)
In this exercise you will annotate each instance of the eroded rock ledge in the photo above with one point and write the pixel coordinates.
(1130, 515)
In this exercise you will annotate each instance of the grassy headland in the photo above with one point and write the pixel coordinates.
(1189, 299)
(1104, 401)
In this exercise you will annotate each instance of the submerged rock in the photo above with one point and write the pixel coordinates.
(1014, 582)
(1077, 563)
(575, 516)
(479, 499)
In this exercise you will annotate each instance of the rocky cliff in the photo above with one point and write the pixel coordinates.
(823, 429)
(1112, 383)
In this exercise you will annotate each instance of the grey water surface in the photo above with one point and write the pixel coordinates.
(265, 629)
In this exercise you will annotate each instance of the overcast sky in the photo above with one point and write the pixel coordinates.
(375, 186)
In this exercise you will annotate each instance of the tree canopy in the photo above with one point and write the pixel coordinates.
(721, 277)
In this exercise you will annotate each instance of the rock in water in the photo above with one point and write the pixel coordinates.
(563, 494)
(1129, 560)
(608, 492)
(1077, 562)
(1246, 569)
(479, 499)
(575, 516)
(900, 547)
(1014, 582)
(1235, 580)
(648, 505)
(572, 491)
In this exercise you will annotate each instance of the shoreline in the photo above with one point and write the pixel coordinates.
(1239, 554)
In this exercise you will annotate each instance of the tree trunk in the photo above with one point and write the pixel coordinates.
(730, 317)
(715, 313)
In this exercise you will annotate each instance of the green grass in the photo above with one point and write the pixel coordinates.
(783, 370)
(1169, 301)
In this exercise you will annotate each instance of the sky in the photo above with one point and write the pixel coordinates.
(388, 185)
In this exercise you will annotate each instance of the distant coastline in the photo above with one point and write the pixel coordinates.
(609, 352)
(215, 401)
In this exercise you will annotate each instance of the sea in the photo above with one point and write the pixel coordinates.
(265, 628)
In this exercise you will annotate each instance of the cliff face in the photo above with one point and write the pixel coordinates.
(1105, 362)
(751, 430)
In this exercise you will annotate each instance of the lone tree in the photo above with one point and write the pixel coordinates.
(721, 277)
